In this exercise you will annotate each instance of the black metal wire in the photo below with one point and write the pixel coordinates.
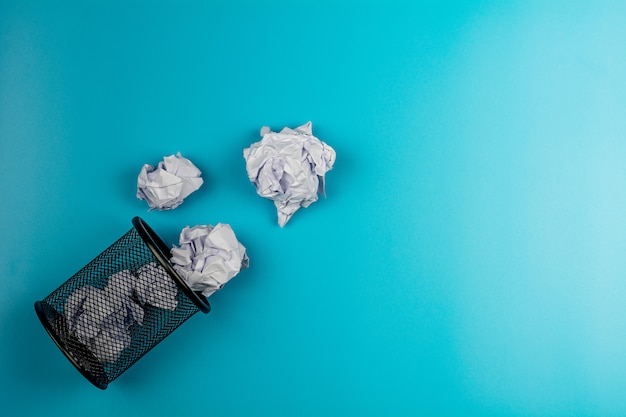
(131, 318)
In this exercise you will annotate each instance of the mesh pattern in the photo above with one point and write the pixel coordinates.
(115, 309)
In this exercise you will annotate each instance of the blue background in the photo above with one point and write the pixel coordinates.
(468, 260)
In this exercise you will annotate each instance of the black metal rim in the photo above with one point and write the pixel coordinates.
(57, 341)
(160, 249)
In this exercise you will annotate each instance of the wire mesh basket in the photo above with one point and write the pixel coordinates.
(119, 306)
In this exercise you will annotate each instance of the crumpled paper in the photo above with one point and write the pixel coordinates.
(166, 186)
(208, 257)
(101, 319)
(156, 287)
(288, 167)
(120, 291)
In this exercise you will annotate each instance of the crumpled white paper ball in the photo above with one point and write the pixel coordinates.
(288, 167)
(154, 286)
(208, 257)
(166, 186)
(120, 290)
(101, 319)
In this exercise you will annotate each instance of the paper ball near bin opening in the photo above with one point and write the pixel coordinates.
(108, 325)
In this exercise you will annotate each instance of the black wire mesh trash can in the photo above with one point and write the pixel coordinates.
(119, 306)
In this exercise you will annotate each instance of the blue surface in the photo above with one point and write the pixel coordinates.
(469, 258)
